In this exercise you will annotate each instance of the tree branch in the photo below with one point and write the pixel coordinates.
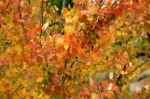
(23, 27)
(2, 12)
(140, 66)
(53, 5)
(125, 25)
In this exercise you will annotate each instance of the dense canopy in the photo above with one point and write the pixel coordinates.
(74, 49)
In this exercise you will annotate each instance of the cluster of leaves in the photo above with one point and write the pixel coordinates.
(55, 50)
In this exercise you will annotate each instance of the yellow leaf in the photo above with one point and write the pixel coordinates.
(24, 92)
(91, 80)
(60, 40)
(90, 18)
(40, 96)
(93, 96)
(69, 29)
(35, 95)
(88, 63)
(66, 46)
(27, 97)
(94, 56)
(56, 8)
(123, 72)
(39, 79)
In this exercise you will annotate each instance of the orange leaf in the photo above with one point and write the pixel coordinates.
(65, 10)
(26, 56)
(101, 32)
(129, 70)
(32, 45)
(30, 34)
(106, 94)
(81, 52)
(39, 29)
(97, 1)
(105, 84)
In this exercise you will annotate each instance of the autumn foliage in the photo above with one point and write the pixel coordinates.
(46, 55)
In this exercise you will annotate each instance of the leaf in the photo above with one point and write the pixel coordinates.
(123, 72)
(69, 29)
(58, 90)
(30, 34)
(107, 94)
(93, 96)
(81, 52)
(86, 91)
(66, 46)
(104, 84)
(111, 75)
(129, 70)
(94, 86)
(16, 1)
(45, 26)
(32, 45)
(39, 29)
(110, 86)
(39, 79)
(92, 1)
(90, 58)
(64, 11)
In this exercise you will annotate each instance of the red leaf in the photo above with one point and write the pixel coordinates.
(86, 91)
(116, 12)
(16, 1)
(90, 58)
(83, 18)
(94, 86)
(101, 32)
(103, 94)
(99, 97)
(58, 90)
(98, 53)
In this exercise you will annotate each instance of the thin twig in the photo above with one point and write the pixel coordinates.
(42, 21)
(23, 27)
(53, 5)
(29, 1)
(63, 4)
(56, 23)
(125, 25)
(65, 75)
(114, 3)
(80, 61)
(140, 66)
(5, 8)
